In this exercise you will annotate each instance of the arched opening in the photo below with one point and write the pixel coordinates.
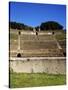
(64, 53)
(18, 55)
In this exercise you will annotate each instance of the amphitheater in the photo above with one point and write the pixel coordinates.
(42, 53)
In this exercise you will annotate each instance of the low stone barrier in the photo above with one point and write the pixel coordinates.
(52, 65)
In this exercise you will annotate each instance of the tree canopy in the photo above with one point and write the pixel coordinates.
(20, 26)
(37, 28)
(51, 25)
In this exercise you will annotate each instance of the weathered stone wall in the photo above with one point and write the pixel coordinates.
(49, 66)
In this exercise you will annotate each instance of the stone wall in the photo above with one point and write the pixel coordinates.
(50, 66)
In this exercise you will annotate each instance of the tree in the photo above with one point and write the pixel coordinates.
(51, 25)
(20, 26)
(37, 28)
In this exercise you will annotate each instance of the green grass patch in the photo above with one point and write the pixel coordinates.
(18, 80)
(13, 36)
(60, 36)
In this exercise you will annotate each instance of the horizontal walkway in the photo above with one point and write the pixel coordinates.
(35, 58)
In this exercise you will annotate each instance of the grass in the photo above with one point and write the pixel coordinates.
(18, 80)
(60, 36)
(13, 36)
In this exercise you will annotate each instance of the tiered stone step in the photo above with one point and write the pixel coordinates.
(37, 53)
(31, 45)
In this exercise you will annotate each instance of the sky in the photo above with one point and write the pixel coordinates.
(33, 14)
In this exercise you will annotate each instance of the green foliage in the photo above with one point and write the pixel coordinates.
(19, 26)
(37, 28)
(51, 25)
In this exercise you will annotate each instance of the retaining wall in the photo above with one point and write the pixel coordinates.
(50, 66)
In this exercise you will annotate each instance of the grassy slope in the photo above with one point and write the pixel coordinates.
(18, 80)
(60, 37)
